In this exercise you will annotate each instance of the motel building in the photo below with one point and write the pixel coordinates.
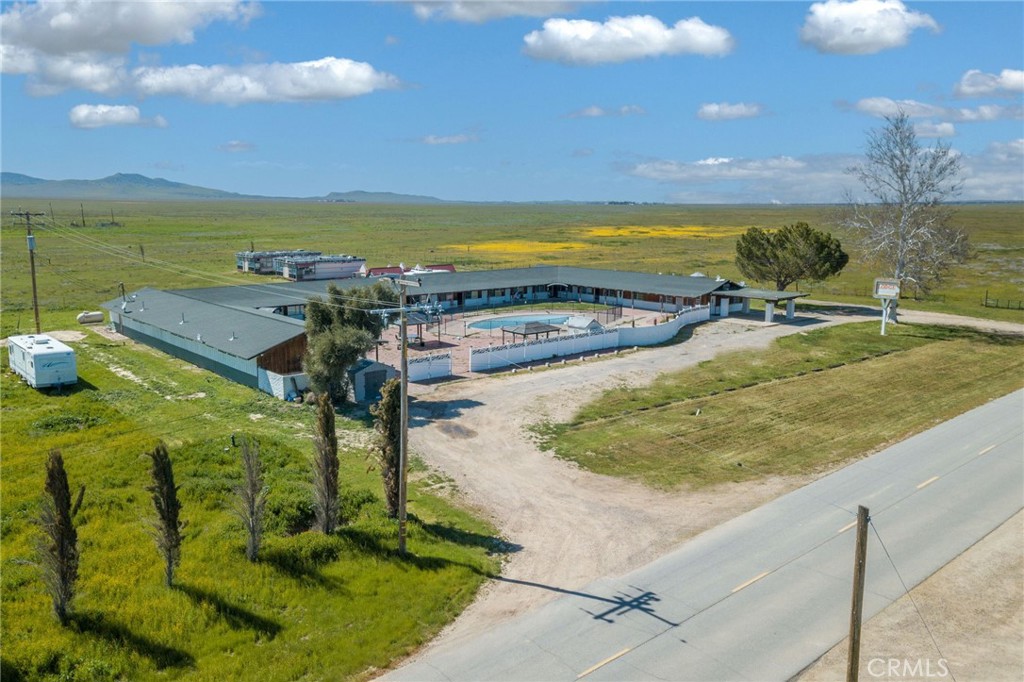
(254, 333)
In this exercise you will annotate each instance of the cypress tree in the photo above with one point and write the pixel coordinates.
(167, 525)
(325, 467)
(58, 549)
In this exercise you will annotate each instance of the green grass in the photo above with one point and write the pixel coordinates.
(314, 607)
(191, 244)
(811, 401)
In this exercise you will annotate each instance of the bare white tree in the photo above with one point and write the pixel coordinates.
(904, 224)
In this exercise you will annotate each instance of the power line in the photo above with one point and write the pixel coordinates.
(910, 596)
(126, 254)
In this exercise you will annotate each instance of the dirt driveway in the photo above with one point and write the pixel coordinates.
(573, 526)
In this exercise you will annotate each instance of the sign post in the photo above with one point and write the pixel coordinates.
(888, 290)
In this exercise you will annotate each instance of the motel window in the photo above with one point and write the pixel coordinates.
(474, 294)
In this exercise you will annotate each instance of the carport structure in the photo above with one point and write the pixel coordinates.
(746, 294)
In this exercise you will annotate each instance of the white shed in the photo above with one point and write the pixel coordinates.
(581, 323)
(42, 361)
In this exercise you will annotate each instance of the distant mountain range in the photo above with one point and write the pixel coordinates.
(134, 187)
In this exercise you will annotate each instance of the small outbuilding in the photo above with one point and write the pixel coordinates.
(367, 377)
(582, 324)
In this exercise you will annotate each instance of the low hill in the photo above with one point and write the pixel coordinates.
(135, 187)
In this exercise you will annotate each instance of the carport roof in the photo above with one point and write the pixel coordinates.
(764, 294)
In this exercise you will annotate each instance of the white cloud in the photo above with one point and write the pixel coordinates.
(323, 79)
(975, 83)
(237, 147)
(721, 179)
(102, 115)
(723, 111)
(884, 106)
(480, 11)
(995, 175)
(65, 27)
(595, 111)
(861, 26)
(931, 129)
(621, 39)
(462, 138)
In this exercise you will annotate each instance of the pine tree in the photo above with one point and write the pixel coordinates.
(167, 525)
(58, 549)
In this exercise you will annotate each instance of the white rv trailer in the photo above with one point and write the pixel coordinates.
(42, 361)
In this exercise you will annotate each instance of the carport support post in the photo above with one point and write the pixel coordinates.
(856, 608)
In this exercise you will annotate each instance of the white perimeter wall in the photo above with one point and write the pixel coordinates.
(427, 367)
(495, 357)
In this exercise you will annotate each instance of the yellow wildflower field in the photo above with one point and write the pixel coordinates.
(691, 231)
(517, 246)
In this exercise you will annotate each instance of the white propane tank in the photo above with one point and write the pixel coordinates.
(87, 317)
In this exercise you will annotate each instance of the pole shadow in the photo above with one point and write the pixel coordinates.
(620, 605)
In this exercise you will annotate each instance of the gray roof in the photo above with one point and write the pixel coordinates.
(243, 311)
(544, 275)
(254, 331)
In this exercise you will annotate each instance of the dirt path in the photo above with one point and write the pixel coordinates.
(573, 526)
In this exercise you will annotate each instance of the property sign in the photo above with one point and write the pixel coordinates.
(887, 288)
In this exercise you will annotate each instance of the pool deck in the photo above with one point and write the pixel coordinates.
(455, 335)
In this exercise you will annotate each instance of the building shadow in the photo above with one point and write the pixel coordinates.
(236, 617)
(163, 656)
(423, 411)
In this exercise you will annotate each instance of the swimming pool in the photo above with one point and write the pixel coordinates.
(515, 320)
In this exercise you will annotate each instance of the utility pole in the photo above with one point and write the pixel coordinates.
(856, 608)
(27, 215)
(403, 447)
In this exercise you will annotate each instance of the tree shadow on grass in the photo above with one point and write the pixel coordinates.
(491, 543)
(9, 672)
(163, 656)
(235, 616)
(288, 561)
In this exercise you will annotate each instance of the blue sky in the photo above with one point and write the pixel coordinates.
(510, 101)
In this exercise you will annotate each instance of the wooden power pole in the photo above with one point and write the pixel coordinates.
(27, 215)
(857, 605)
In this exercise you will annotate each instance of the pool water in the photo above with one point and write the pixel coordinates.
(515, 320)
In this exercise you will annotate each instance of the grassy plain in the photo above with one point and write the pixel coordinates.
(313, 607)
(809, 402)
(193, 244)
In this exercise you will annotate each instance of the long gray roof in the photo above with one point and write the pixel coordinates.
(243, 311)
(253, 331)
(616, 280)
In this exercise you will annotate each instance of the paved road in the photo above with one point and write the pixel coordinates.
(762, 596)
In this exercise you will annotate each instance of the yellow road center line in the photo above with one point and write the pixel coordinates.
(749, 582)
(929, 481)
(990, 447)
(847, 527)
(603, 663)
